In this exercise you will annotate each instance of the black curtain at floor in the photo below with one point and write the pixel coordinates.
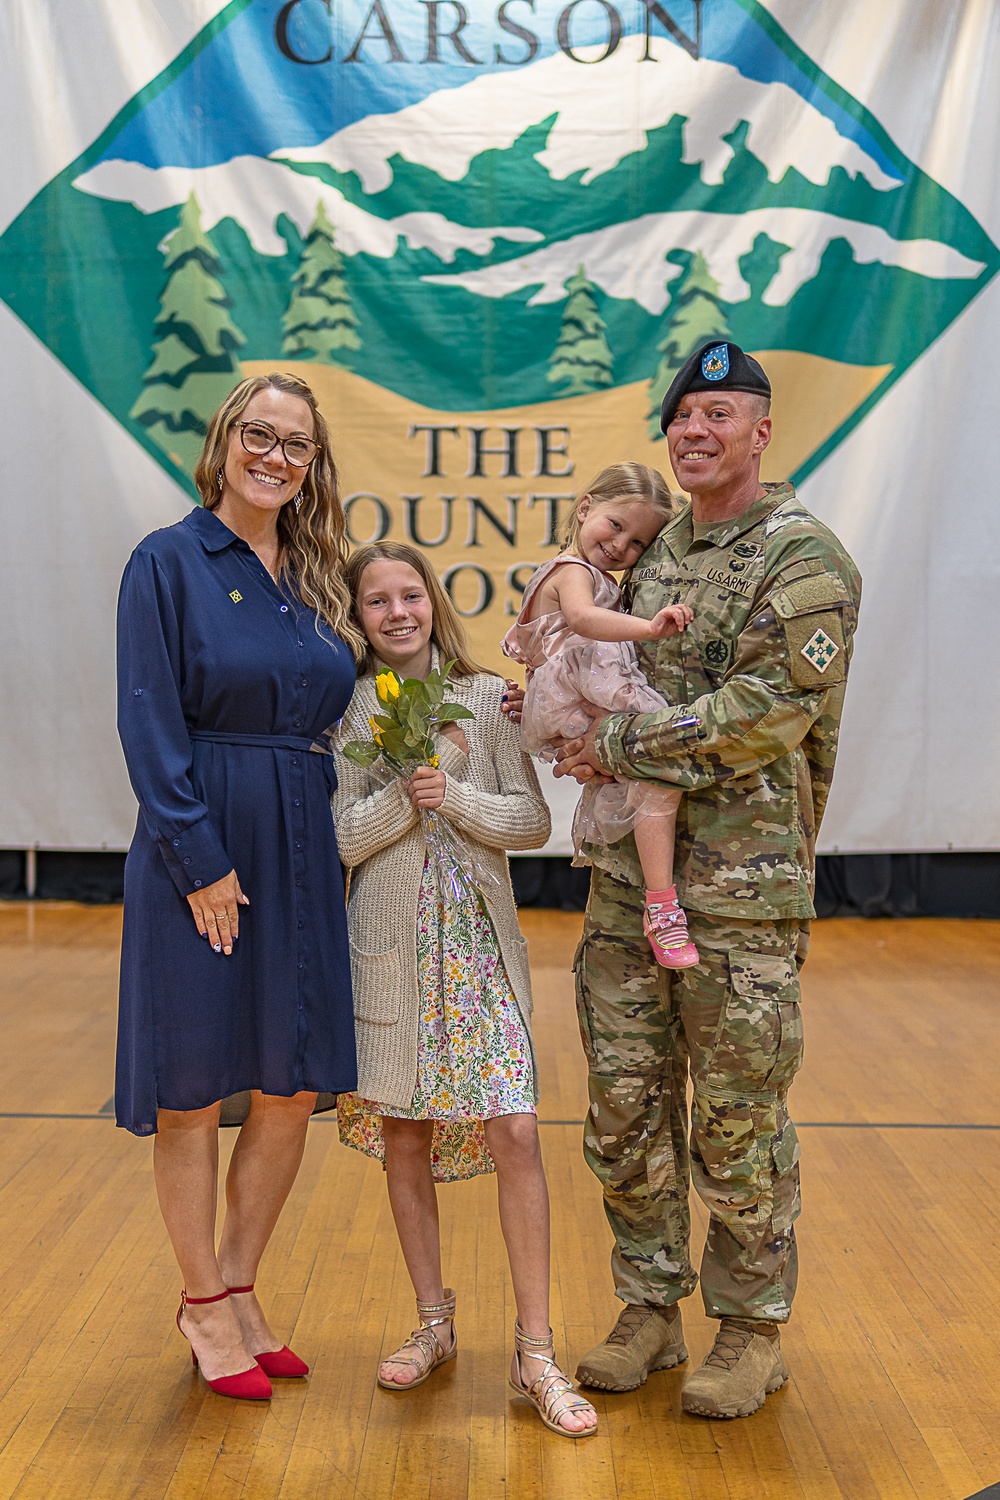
(847, 885)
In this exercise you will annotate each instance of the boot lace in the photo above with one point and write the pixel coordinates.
(630, 1320)
(732, 1340)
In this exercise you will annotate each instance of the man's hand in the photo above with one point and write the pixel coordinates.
(578, 758)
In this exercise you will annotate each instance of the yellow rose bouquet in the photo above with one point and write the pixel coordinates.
(413, 711)
(403, 734)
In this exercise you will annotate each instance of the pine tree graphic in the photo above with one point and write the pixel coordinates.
(194, 365)
(320, 322)
(694, 315)
(582, 359)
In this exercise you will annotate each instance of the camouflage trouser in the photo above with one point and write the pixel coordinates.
(734, 1021)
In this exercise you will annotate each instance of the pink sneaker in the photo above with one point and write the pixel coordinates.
(665, 925)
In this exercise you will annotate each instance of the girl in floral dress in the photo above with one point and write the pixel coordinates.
(442, 995)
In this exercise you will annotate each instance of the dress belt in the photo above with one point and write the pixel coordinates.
(262, 741)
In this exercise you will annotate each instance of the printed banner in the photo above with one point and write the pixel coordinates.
(488, 235)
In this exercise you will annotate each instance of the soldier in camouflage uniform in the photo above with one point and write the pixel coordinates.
(756, 686)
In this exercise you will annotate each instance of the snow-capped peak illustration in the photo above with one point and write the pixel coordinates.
(601, 118)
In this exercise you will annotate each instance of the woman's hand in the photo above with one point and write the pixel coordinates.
(425, 788)
(512, 701)
(216, 910)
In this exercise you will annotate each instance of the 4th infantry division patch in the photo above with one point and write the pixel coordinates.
(819, 650)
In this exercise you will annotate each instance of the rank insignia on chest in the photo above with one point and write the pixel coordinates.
(819, 650)
(236, 596)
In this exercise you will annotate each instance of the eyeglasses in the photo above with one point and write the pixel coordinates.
(260, 439)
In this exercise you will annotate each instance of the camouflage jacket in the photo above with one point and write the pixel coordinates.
(763, 670)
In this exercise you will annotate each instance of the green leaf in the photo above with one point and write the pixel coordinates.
(360, 753)
(394, 741)
(449, 712)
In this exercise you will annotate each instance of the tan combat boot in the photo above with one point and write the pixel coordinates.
(745, 1365)
(643, 1339)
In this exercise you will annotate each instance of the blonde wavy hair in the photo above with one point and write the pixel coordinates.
(627, 481)
(447, 631)
(313, 537)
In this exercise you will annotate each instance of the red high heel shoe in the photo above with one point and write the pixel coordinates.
(279, 1364)
(248, 1385)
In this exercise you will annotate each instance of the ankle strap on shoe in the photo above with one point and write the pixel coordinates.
(433, 1313)
(527, 1343)
(237, 1290)
(187, 1301)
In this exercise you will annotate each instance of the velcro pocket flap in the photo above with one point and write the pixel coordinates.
(811, 613)
(764, 976)
(808, 594)
(785, 1148)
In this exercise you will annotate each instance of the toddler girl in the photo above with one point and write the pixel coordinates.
(577, 644)
(442, 996)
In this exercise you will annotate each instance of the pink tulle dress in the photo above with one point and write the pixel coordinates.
(573, 682)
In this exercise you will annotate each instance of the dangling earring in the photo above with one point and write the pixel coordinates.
(297, 500)
(220, 478)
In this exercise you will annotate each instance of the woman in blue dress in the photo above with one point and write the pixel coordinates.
(236, 651)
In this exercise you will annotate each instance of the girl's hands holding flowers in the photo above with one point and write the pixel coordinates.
(425, 788)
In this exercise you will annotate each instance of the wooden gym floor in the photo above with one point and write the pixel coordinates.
(894, 1350)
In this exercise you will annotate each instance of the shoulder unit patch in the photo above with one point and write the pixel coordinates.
(819, 650)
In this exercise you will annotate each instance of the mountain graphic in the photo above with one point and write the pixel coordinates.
(461, 205)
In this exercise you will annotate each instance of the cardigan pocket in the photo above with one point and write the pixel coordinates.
(378, 985)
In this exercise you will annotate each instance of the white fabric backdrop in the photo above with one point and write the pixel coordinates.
(913, 492)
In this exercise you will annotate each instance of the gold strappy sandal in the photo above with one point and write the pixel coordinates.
(552, 1393)
(423, 1349)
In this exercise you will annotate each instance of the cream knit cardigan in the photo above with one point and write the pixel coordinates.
(492, 797)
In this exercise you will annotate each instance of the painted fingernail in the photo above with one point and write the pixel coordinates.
(216, 947)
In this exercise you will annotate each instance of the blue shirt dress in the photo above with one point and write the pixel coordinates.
(224, 684)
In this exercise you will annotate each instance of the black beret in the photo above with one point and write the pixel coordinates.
(714, 367)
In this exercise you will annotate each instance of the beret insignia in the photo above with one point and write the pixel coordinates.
(715, 362)
(714, 367)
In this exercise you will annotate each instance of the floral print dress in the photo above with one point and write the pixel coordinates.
(474, 1059)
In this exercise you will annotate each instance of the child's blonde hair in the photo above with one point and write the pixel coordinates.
(447, 631)
(621, 482)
